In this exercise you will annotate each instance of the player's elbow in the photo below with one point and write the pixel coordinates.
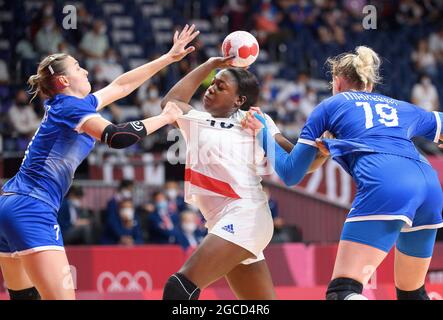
(290, 178)
(291, 181)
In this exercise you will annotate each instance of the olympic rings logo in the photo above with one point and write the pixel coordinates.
(124, 281)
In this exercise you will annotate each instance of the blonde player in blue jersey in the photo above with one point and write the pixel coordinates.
(32, 257)
(399, 199)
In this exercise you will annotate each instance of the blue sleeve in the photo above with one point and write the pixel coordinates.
(428, 126)
(315, 125)
(76, 110)
(290, 167)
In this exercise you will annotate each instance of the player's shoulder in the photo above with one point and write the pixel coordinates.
(194, 113)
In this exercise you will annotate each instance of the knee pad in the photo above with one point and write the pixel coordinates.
(345, 289)
(178, 287)
(25, 294)
(419, 294)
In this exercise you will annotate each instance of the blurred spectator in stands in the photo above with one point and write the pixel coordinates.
(150, 102)
(188, 234)
(95, 43)
(84, 23)
(282, 231)
(4, 73)
(75, 222)
(176, 201)
(237, 11)
(433, 10)
(278, 221)
(123, 226)
(308, 101)
(23, 118)
(25, 48)
(162, 223)
(424, 59)
(290, 97)
(65, 47)
(48, 37)
(46, 11)
(302, 13)
(125, 191)
(436, 44)
(425, 95)
(109, 68)
(409, 13)
(113, 113)
(267, 18)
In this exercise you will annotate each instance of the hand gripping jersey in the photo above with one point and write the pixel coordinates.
(222, 159)
(370, 122)
(56, 150)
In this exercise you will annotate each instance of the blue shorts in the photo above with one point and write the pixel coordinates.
(391, 187)
(383, 234)
(27, 225)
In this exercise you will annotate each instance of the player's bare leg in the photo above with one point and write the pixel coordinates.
(354, 265)
(213, 259)
(16, 279)
(410, 272)
(50, 273)
(252, 281)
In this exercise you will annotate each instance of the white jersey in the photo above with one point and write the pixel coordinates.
(222, 159)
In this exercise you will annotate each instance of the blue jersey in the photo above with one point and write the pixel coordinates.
(56, 150)
(370, 122)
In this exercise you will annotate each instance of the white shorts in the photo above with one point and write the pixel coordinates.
(245, 222)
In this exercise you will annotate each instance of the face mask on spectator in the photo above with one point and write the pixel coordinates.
(189, 227)
(126, 194)
(102, 30)
(153, 93)
(162, 205)
(49, 26)
(76, 203)
(171, 194)
(112, 59)
(127, 213)
(426, 81)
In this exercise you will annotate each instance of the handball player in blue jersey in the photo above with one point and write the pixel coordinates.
(399, 198)
(32, 257)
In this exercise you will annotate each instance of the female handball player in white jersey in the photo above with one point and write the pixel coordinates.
(32, 257)
(224, 185)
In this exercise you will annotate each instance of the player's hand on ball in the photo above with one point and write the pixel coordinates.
(171, 112)
(221, 62)
(181, 40)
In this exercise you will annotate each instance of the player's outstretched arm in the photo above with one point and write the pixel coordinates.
(131, 80)
(251, 122)
(290, 167)
(183, 90)
(126, 134)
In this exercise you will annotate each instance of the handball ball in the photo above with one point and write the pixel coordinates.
(243, 46)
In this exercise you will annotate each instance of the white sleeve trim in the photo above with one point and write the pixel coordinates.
(99, 101)
(306, 141)
(438, 131)
(273, 129)
(78, 128)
